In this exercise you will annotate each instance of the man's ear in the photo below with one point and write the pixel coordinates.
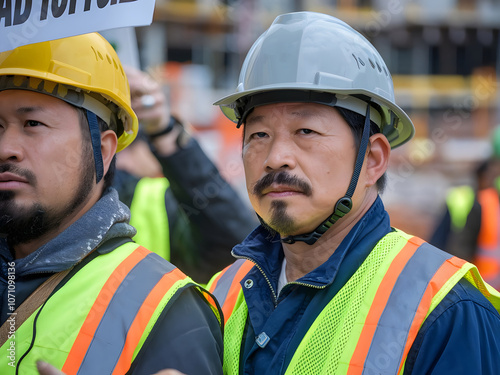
(377, 158)
(109, 142)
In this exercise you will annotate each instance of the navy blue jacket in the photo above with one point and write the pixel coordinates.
(461, 336)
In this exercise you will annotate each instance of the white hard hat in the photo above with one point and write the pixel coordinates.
(314, 57)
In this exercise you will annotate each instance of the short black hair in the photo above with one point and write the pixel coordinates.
(357, 122)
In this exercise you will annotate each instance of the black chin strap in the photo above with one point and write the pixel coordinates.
(344, 204)
(95, 137)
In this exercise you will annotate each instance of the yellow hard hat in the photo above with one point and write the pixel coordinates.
(83, 70)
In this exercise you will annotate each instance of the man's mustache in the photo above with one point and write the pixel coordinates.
(281, 178)
(28, 175)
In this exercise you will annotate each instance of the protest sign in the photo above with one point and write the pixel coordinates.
(31, 21)
(124, 41)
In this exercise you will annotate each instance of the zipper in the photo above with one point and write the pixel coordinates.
(303, 284)
(275, 301)
(308, 285)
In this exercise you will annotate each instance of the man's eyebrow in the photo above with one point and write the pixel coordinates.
(298, 113)
(22, 110)
(304, 113)
(252, 119)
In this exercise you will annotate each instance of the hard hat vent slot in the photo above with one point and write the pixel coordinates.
(95, 52)
(355, 59)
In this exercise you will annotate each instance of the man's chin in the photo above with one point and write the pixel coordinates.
(290, 229)
(281, 228)
(22, 224)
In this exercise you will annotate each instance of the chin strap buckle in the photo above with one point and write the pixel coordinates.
(342, 207)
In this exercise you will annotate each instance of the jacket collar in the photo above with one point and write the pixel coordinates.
(107, 219)
(267, 252)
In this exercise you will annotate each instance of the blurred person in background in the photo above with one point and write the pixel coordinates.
(180, 204)
(325, 285)
(469, 226)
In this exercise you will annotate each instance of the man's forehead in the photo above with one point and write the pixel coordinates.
(299, 109)
(30, 95)
(26, 101)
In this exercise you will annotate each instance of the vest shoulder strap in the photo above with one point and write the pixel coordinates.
(143, 284)
(226, 285)
(31, 304)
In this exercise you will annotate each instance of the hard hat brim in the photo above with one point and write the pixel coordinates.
(402, 133)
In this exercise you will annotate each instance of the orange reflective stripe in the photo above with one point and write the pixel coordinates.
(488, 236)
(379, 302)
(86, 334)
(143, 317)
(234, 290)
(445, 272)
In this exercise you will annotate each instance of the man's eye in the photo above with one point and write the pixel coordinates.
(33, 123)
(306, 131)
(259, 135)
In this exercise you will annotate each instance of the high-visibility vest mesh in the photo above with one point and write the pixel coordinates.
(232, 341)
(332, 333)
(331, 345)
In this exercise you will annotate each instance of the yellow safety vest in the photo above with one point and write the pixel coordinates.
(97, 322)
(460, 200)
(382, 306)
(149, 216)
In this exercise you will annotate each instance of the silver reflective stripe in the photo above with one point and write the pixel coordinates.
(109, 339)
(222, 288)
(390, 336)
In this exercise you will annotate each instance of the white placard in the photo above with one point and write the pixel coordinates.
(31, 21)
(124, 42)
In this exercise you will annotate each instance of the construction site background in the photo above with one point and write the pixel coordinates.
(444, 57)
